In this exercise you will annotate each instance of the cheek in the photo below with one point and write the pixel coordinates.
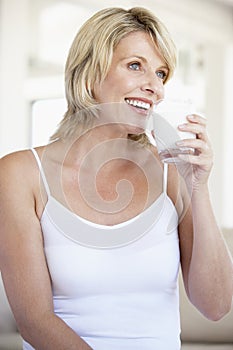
(105, 91)
(113, 88)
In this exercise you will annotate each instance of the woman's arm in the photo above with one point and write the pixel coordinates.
(22, 260)
(206, 263)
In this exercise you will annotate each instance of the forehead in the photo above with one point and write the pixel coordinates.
(138, 44)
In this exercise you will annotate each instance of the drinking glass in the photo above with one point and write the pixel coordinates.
(167, 115)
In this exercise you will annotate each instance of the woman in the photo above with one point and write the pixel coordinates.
(71, 281)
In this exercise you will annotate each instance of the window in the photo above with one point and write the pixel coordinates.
(46, 114)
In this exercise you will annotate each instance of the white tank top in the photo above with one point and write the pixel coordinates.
(123, 297)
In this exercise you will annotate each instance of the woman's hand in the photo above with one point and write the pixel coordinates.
(202, 158)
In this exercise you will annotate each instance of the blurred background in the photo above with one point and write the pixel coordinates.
(35, 36)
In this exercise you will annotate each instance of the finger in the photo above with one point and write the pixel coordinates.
(195, 128)
(199, 160)
(197, 118)
(196, 144)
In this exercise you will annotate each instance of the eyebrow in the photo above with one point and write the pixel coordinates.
(134, 56)
(142, 59)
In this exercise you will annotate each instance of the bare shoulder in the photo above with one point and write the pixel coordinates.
(16, 161)
(18, 215)
(19, 185)
(15, 170)
(18, 168)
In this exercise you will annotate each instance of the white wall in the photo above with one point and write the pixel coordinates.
(14, 31)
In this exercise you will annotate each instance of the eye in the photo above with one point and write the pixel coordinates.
(161, 74)
(135, 66)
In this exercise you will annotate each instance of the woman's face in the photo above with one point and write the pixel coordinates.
(136, 76)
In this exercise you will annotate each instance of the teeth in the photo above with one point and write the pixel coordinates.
(139, 104)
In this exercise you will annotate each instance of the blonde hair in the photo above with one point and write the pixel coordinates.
(90, 57)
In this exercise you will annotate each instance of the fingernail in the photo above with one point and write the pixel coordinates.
(191, 116)
(182, 126)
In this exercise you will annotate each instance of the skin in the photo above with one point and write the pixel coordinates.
(206, 265)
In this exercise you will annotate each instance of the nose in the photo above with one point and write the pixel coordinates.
(153, 85)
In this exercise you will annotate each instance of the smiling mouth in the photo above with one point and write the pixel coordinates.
(138, 104)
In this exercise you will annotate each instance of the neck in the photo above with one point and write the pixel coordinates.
(98, 146)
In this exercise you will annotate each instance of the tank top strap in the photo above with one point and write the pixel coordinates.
(41, 171)
(165, 176)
